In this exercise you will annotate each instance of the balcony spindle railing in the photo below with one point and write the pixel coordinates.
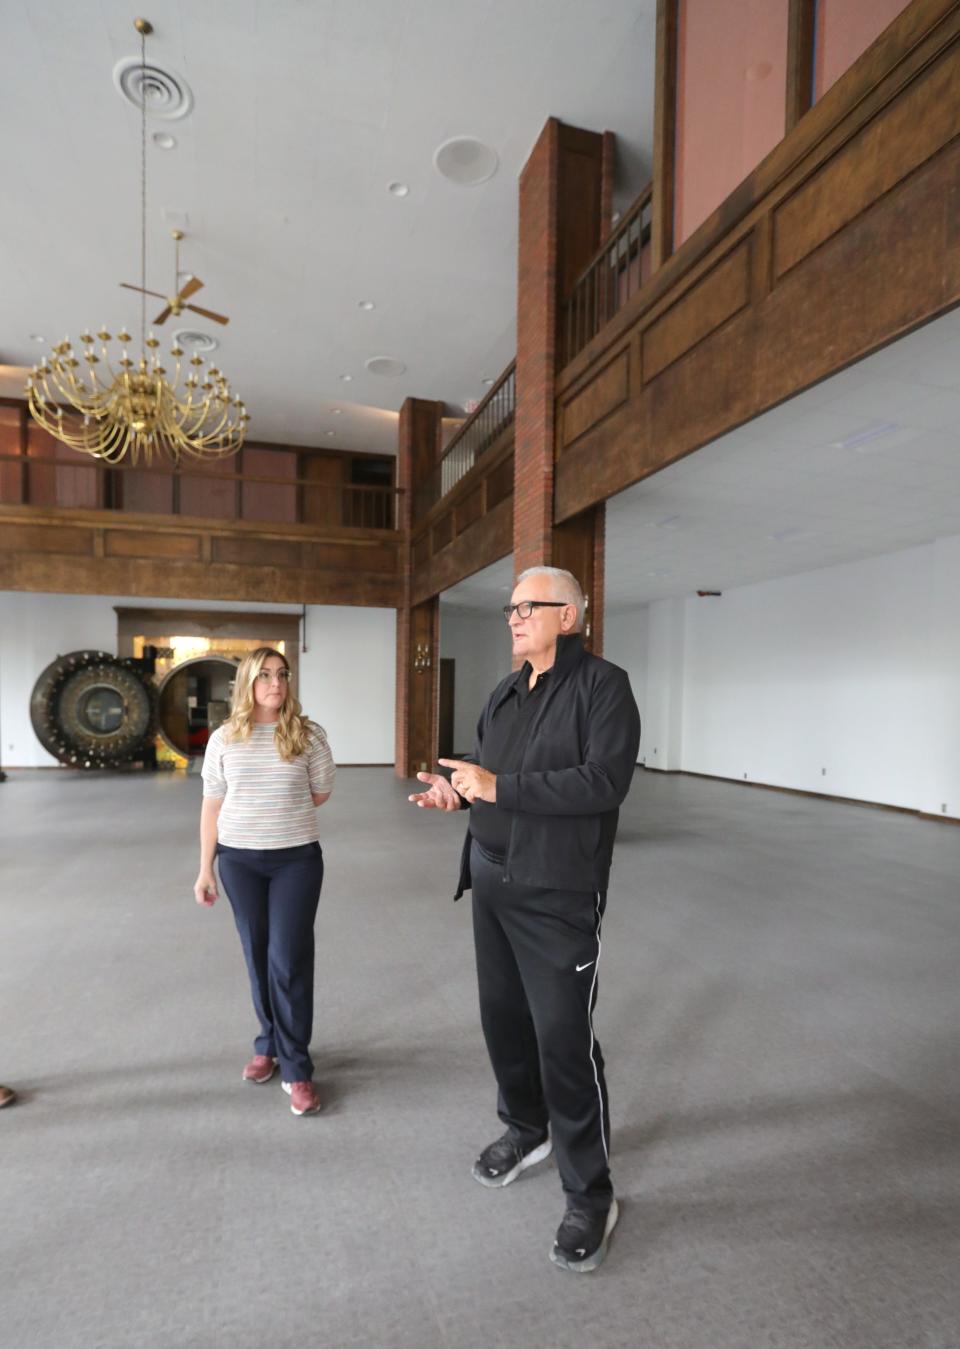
(304, 500)
(481, 430)
(617, 272)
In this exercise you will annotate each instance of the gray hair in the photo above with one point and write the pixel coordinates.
(566, 587)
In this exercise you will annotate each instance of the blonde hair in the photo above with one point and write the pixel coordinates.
(292, 735)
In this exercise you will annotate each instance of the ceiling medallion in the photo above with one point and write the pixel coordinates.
(134, 408)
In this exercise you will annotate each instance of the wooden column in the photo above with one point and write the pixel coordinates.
(800, 51)
(664, 132)
(418, 649)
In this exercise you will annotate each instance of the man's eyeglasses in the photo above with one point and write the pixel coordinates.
(526, 607)
(268, 676)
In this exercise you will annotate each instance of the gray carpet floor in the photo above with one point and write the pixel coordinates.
(779, 1008)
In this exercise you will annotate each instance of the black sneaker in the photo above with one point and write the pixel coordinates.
(583, 1237)
(502, 1161)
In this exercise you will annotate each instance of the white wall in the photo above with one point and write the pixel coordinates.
(346, 675)
(626, 641)
(844, 680)
(480, 645)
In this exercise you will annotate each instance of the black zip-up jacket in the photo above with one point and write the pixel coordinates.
(577, 767)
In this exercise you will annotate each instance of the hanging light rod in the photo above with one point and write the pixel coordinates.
(136, 410)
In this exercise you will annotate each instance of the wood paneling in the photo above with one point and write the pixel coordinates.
(606, 391)
(469, 510)
(79, 552)
(924, 118)
(500, 482)
(847, 236)
(143, 543)
(487, 541)
(716, 297)
(28, 538)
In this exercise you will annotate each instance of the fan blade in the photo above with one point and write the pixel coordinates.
(163, 316)
(127, 286)
(207, 313)
(191, 288)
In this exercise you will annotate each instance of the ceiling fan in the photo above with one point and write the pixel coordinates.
(175, 304)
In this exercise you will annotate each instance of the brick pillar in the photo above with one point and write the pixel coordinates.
(418, 648)
(565, 190)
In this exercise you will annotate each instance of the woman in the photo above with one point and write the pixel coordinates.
(265, 770)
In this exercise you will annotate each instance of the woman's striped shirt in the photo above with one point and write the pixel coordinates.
(266, 799)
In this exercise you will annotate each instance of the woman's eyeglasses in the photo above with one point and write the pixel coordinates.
(268, 676)
(526, 607)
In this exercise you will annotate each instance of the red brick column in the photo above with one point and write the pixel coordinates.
(565, 193)
(536, 353)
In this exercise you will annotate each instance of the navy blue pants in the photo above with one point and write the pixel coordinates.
(537, 956)
(274, 893)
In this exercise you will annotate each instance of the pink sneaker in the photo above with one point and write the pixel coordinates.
(260, 1068)
(303, 1097)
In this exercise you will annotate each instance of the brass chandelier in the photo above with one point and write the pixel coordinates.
(130, 406)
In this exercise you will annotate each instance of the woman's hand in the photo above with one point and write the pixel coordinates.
(205, 890)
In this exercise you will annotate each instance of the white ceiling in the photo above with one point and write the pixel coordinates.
(305, 111)
(865, 463)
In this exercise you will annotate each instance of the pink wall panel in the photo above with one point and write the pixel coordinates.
(56, 486)
(147, 490)
(206, 496)
(270, 501)
(845, 29)
(731, 99)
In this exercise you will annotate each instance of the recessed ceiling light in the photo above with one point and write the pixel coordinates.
(37, 337)
(488, 382)
(794, 532)
(329, 433)
(865, 436)
(164, 141)
(346, 378)
(336, 412)
(398, 189)
(366, 304)
(386, 365)
(466, 161)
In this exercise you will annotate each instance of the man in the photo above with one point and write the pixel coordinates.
(555, 754)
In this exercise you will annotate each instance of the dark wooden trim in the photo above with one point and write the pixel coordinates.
(801, 25)
(799, 791)
(914, 40)
(777, 289)
(664, 131)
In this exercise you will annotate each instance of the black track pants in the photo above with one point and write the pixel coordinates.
(537, 955)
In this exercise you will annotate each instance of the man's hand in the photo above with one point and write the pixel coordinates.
(472, 781)
(441, 795)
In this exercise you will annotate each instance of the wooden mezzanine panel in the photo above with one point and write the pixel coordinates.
(82, 552)
(845, 237)
(470, 528)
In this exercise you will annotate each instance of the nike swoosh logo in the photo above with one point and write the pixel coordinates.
(583, 967)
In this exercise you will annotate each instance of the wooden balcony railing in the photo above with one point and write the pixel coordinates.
(72, 480)
(617, 271)
(481, 430)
